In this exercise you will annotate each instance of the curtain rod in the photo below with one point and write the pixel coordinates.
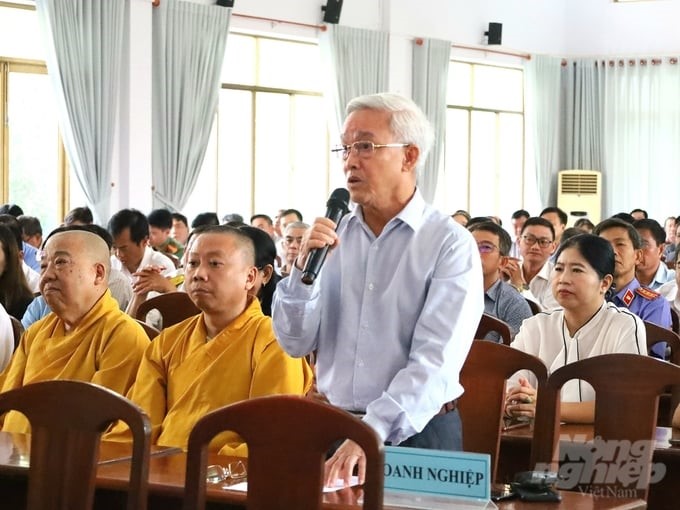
(323, 28)
(527, 56)
(621, 62)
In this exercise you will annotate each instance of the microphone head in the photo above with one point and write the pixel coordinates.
(339, 198)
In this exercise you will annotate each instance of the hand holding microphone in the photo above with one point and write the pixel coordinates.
(336, 207)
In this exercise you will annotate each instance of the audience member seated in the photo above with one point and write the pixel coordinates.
(86, 337)
(519, 218)
(118, 285)
(29, 253)
(647, 304)
(462, 217)
(232, 218)
(160, 224)
(558, 218)
(263, 222)
(130, 231)
(532, 276)
(584, 225)
(205, 219)
(639, 214)
(292, 238)
(180, 228)
(500, 299)
(6, 338)
(226, 354)
(286, 217)
(78, 216)
(265, 256)
(25, 250)
(31, 231)
(584, 327)
(670, 253)
(651, 271)
(15, 294)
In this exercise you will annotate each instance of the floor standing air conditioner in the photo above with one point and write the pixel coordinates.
(579, 194)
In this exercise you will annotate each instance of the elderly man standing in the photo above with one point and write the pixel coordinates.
(394, 310)
(86, 337)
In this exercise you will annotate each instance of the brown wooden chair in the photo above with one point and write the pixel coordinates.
(67, 419)
(675, 320)
(17, 330)
(535, 307)
(671, 399)
(148, 329)
(489, 323)
(627, 388)
(287, 437)
(484, 374)
(174, 307)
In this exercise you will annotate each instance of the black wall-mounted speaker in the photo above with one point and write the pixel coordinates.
(495, 33)
(331, 11)
(226, 3)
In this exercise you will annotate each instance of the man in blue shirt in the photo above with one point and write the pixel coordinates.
(652, 272)
(647, 304)
(394, 310)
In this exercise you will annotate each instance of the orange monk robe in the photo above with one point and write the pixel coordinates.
(104, 348)
(184, 376)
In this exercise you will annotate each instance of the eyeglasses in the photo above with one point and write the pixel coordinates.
(486, 247)
(543, 242)
(218, 474)
(364, 150)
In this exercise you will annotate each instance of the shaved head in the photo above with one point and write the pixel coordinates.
(89, 244)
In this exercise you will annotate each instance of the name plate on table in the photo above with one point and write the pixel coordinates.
(438, 473)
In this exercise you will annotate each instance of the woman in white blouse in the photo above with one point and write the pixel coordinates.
(585, 326)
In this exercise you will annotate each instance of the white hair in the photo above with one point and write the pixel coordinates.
(408, 123)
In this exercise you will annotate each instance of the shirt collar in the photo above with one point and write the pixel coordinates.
(411, 214)
(494, 290)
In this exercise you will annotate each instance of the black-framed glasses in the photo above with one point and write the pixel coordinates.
(543, 242)
(363, 149)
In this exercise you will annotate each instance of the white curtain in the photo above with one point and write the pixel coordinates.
(642, 136)
(430, 79)
(582, 115)
(84, 48)
(355, 62)
(542, 112)
(188, 49)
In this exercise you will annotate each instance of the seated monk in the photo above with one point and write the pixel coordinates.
(226, 354)
(86, 337)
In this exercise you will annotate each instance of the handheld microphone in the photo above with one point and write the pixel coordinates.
(336, 207)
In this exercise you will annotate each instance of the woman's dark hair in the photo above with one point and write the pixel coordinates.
(265, 254)
(15, 294)
(597, 251)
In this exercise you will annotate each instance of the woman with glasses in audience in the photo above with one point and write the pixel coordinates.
(586, 325)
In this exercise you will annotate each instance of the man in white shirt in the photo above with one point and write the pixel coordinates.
(651, 272)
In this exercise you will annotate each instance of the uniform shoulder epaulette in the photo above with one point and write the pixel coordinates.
(647, 293)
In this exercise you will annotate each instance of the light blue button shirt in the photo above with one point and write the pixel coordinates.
(392, 317)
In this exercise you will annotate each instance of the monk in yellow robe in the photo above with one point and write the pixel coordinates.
(226, 354)
(86, 337)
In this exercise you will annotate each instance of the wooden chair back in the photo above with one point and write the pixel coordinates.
(484, 374)
(287, 438)
(675, 320)
(150, 331)
(17, 330)
(489, 323)
(627, 388)
(671, 400)
(535, 307)
(67, 419)
(174, 307)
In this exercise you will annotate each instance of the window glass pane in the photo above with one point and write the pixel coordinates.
(240, 60)
(19, 34)
(289, 65)
(483, 164)
(33, 147)
(459, 85)
(272, 153)
(497, 88)
(309, 140)
(456, 177)
(510, 163)
(235, 149)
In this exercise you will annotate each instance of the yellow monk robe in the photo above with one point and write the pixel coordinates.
(184, 376)
(105, 348)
